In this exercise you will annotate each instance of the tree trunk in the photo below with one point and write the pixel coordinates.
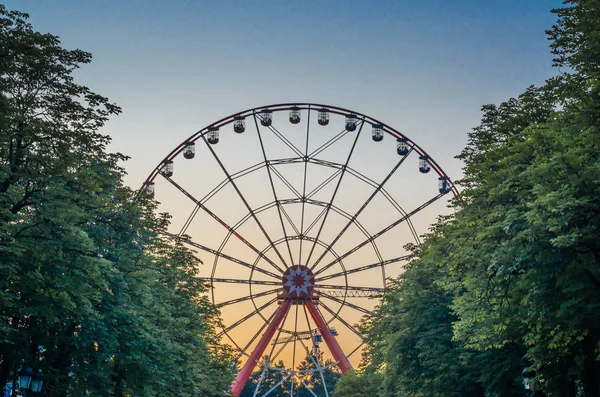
(571, 387)
(590, 367)
(119, 390)
(59, 367)
(8, 359)
(478, 390)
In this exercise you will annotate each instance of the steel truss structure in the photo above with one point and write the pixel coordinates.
(298, 277)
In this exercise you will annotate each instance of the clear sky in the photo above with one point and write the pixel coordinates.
(422, 67)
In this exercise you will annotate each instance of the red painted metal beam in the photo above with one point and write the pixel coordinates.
(330, 340)
(240, 381)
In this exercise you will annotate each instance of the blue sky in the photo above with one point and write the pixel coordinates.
(423, 67)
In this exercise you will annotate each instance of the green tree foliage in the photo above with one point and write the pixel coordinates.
(512, 279)
(365, 385)
(90, 291)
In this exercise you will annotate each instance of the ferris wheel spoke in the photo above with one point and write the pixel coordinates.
(232, 182)
(324, 183)
(308, 326)
(355, 216)
(343, 170)
(262, 146)
(309, 228)
(262, 327)
(285, 181)
(236, 175)
(216, 190)
(245, 318)
(346, 303)
(238, 281)
(284, 139)
(287, 216)
(349, 288)
(380, 233)
(286, 160)
(285, 343)
(222, 255)
(225, 225)
(341, 320)
(345, 215)
(356, 349)
(363, 268)
(245, 298)
(330, 142)
(188, 221)
(304, 187)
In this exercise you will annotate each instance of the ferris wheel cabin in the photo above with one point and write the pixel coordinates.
(377, 132)
(323, 116)
(295, 115)
(266, 117)
(239, 124)
(351, 121)
(213, 135)
(424, 166)
(402, 147)
(189, 150)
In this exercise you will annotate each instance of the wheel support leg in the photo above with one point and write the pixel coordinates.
(242, 377)
(330, 340)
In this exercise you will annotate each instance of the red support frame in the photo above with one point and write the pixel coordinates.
(334, 347)
(240, 381)
(330, 340)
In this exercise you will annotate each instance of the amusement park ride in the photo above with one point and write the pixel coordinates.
(307, 281)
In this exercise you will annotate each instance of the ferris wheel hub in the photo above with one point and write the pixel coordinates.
(298, 282)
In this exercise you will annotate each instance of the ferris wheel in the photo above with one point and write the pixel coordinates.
(300, 213)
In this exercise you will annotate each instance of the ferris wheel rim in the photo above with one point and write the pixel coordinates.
(303, 106)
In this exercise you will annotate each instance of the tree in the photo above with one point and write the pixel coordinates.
(511, 280)
(365, 385)
(91, 292)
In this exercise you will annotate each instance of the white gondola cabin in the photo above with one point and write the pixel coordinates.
(295, 115)
(212, 136)
(377, 132)
(323, 116)
(443, 184)
(402, 147)
(266, 117)
(351, 121)
(167, 168)
(189, 150)
(239, 124)
(424, 165)
(150, 189)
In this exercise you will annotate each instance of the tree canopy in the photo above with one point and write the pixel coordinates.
(91, 292)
